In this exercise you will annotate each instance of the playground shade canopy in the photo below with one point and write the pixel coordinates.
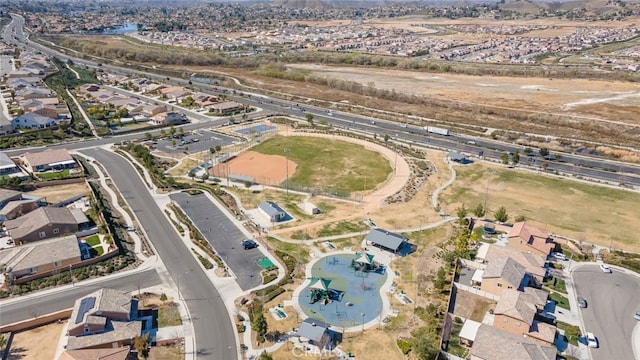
(385, 239)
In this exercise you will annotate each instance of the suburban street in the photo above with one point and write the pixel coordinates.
(53, 300)
(612, 300)
(215, 336)
(224, 236)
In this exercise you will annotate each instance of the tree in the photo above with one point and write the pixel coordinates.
(462, 213)
(205, 177)
(441, 279)
(558, 157)
(515, 159)
(479, 211)
(141, 343)
(218, 148)
(528, 151)
(543, 152)
(3, 342)
(192, 174)
(172, 131)
(462, 243)
(309, 118)
(163, 133)
(505, 158)
(501, 214)
(265, 356)
(520, 218)
(258, 322)
(212, 150)
(148, 136)
(386, 138)
(181, 131)
(426, 346)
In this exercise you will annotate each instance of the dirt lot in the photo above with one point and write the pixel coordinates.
(54, 194)
(553, 204)
(471, 306)
(37, 344)
(264, 169)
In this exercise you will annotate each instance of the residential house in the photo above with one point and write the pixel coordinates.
(105, 318)
(119, 353)
(88, 88)
(50, 111)
(33, 93)
(18, 208)
(6, 127)
(40, 259)
(532, 262)
(6, 196)
(227, 107)
(169, 118)
(42, 223)
(502, 274)
(492, 343)
(148, 110)
(273, 212)
(385, 240)
(50, 159)
(516, 310)
(524, 237)
(32, 120)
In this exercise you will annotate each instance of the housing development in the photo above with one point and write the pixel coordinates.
(319, 179)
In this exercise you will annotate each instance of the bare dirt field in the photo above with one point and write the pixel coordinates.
(54, 194)
(562, 96)
(471, 306)
(264, 169)
(37, 344)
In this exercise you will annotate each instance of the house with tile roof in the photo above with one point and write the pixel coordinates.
(527, 238)
(42, 223)
(492, 343)
(106, 318)
(32, 120)
(515, 312)
(532, 262)
(24, 263)
(119, 353)
(502, 274)
(49, 159)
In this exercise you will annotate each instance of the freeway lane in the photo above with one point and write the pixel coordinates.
(215, 336)
(613, 299)
(588, 166)
(45, 302)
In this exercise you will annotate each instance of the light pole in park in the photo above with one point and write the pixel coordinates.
(362, 315)
(286, 152)
(395, 160)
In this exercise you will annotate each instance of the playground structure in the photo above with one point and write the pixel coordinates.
(364, 262)
(320, 291)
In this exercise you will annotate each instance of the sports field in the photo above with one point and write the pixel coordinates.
(596, 214)
(327, 163)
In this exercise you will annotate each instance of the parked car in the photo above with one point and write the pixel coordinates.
(582, 302)
(605, 268)
(249, 244)
(131, 228)
(559, 256)
(637, 315)
(591, 340)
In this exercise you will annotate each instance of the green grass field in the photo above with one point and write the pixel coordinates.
(329, 163)
(593, 213)
(92, 240)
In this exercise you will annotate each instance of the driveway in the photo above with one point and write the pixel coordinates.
(224, 236)
(613, 299)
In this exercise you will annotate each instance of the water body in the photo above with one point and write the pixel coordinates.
(125, 28)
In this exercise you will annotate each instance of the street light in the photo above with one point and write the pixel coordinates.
(286, 152)
(362, 314)
(486, 194)
(395, 160)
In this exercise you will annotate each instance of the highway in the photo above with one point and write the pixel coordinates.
(49, 301)
(585, 166)
(215, 336)
(613, 299)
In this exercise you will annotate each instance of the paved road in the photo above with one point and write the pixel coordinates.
(613, 299)
(224, 236)
(215, 336)
(588, 165)
(47, 301)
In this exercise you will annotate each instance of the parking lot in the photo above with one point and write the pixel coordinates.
(612, 301)
(195, 142)
(224, 236)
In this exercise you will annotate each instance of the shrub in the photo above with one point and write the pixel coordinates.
(404, 345)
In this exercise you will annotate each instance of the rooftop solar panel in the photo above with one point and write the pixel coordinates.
(86, 304)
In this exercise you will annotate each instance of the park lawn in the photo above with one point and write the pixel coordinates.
(329, 163)
(92, 240)
(554, 204)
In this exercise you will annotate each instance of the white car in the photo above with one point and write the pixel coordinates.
(637, 315)
(591, 340)
(559, 256)
(605, 268)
